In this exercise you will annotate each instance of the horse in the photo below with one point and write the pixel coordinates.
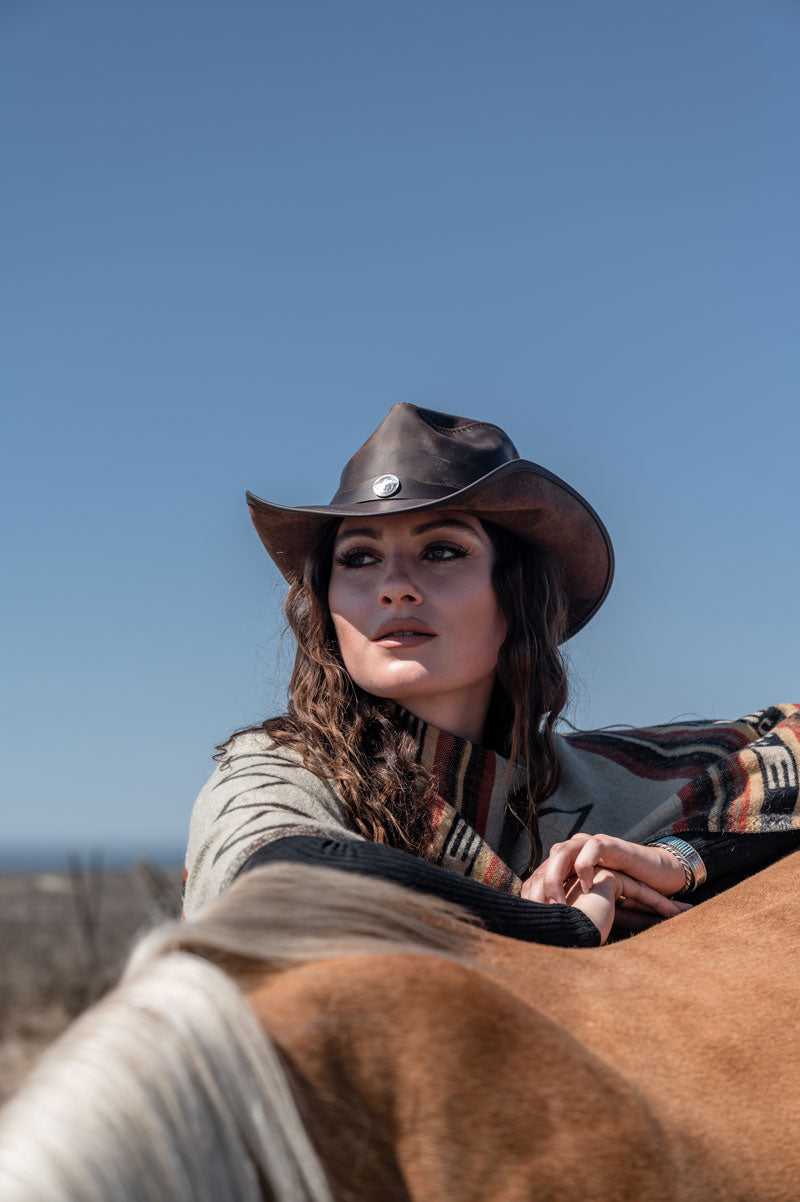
(316, 1035)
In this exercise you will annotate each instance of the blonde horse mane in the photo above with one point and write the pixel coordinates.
(169, 1088)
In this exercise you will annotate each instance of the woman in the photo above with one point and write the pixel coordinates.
(429, 601)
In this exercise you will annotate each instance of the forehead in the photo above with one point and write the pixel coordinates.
(378, 526)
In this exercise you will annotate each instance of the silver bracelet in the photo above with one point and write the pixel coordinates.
(690, 860)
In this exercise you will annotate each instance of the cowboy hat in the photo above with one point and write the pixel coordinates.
(419, 459)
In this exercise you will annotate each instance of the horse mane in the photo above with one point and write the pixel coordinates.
(169, 1087)
(285, 915)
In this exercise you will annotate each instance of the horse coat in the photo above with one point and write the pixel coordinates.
(425, 1059)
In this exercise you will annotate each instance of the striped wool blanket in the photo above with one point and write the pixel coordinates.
(703, 777)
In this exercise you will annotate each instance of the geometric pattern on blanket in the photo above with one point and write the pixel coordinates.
(741, 777)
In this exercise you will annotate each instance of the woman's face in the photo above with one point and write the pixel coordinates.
(416, 614)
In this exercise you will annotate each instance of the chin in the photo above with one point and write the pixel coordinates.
(403, 696)
(394, 690)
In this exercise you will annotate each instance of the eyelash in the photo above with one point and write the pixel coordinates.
(347, 559)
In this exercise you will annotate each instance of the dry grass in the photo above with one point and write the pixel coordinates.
(64, 939)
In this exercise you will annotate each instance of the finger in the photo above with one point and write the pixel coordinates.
(639, 893)
(533, 889)
(559, 867)
(651, 864)
(607, 852)
(640, 907)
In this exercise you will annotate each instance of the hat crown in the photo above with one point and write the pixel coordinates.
(419, 460)
(422, 446)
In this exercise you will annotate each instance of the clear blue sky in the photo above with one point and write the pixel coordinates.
(233, 234)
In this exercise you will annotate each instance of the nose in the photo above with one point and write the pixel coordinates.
(398, 586)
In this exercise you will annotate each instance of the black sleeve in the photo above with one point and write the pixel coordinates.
(730, 858)
(563, 926)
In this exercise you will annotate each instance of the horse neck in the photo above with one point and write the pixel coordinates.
(756, 913)
(726, 947)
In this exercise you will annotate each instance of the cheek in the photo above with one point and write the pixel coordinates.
(339, 605)
(346, 636)
(344, 612)
(348, 646)
(486, 622)
(498, 627)
(346, 598)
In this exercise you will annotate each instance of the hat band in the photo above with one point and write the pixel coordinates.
(409, 490)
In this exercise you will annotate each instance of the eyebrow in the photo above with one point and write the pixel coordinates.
(437, 523)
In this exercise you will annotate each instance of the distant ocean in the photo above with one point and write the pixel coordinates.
(42, 857)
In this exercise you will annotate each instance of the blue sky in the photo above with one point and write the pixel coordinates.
(234, 234)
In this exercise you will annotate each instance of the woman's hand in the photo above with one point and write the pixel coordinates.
(655, 868)
(603, 903)
(611, 880)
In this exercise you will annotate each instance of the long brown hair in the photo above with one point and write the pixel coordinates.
(353, 738)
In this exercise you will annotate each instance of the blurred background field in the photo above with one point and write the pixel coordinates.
(65, 936)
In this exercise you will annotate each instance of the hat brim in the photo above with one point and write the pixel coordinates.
(523, 497)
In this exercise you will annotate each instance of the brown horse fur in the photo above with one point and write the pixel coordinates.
(661, 1067)
(420, 1060)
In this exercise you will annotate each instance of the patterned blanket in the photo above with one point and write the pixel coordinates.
(701, 777)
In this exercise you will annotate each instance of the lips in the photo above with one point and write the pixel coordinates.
(403, 629)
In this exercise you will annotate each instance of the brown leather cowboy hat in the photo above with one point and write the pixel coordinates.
(418, 459)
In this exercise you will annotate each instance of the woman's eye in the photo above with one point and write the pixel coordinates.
(443, 552)
(355, 558)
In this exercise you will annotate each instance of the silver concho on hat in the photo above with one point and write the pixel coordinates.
(385, 486)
